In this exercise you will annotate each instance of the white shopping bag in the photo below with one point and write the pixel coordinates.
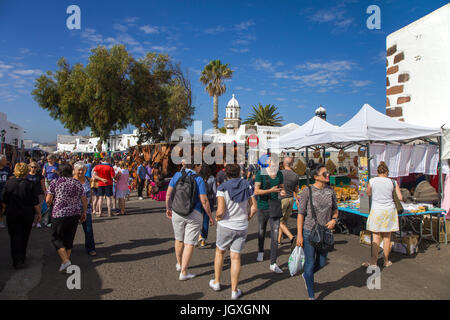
(296, 261)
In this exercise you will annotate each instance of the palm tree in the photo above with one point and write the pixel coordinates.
(264, 116)
(213, 76)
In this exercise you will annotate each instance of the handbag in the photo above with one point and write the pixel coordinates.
(274, 204)
(321, 238)
(398, 204)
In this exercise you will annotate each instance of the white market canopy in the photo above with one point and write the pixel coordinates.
(367, 125)
(313, 126)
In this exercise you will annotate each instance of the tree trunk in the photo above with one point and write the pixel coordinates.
(215, 120)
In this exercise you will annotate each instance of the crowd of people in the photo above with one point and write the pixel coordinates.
(74, 192)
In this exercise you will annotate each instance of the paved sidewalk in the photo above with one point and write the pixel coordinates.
(136, 260)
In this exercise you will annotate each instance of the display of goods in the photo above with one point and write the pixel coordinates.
(344, 194)
(316, 153)
(300, 168)
(419, 209)
(341, 155)
(361, 151)
(331, 167)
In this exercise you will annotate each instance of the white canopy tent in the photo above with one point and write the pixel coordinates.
(289, 141)
(367, 125)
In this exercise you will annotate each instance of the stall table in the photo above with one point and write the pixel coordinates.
(439, 213)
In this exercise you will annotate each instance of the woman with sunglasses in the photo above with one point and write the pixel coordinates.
(39, 182)
(326, 210)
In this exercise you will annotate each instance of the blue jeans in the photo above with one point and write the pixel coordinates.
(314, 261)
(88, 234)
(205, 226)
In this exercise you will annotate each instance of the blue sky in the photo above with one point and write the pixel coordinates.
(293, 54)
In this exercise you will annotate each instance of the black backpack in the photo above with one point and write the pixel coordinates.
(185, 194)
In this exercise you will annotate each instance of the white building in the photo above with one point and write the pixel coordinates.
(418, 69)
(80, 144)
(237, 132)
(13, 133)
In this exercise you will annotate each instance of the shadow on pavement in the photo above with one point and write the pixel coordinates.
(356, 278)
(109, 256)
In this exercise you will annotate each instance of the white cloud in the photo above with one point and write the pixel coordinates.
(29, 72)
(243, 50)
(262, 92)
(1, 75)
(149, 29)
(280, 99)
(5, 66)
(164, 49)
(215, 30)
(244, 25)
(92, 36)
(120, 27)
(265, 65)
(330, 66)
(337, 16)
(131, 19)
(360, 83)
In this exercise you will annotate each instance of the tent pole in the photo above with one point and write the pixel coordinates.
(307, 169)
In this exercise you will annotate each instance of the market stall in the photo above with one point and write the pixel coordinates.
(380, 138)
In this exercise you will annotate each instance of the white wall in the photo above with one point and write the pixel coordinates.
(13, 131)
(426, 46)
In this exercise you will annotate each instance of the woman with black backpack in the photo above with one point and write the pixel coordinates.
(317, 214)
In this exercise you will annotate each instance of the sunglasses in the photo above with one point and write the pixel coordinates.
(33, 167)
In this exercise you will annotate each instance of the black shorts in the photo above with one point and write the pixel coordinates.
(105, 191)
(63, 231)
(94, 191)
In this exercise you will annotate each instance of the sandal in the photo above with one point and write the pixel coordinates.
(387, 264)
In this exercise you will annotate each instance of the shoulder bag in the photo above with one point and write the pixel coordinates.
(398, 204)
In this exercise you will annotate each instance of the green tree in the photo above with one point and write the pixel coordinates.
(115, 90)
(264, 116)
(213, 77)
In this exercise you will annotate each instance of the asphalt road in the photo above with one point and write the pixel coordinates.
(136, 260)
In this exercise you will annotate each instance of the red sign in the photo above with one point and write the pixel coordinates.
(253, 140)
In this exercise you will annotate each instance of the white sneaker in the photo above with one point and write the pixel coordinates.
(64, 266)
(213, 285)
(140, 198)
(236, 294)
(186, 277)
(38, 226)
(178, 266)
(260, 256)
(275, 268)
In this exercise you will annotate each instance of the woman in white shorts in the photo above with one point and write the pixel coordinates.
(233, 198)
(122, 185)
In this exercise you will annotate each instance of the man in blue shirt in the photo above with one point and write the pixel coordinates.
(141, 174)
(187, 228)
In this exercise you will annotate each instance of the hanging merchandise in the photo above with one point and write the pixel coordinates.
(377, 153)
(392, 159)
(432, 160)
(300, 168)
(316, 153)
(418, 159)
(445, 143)
(405, 160)
(341, 155)
(363, 183)
(331, 167)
